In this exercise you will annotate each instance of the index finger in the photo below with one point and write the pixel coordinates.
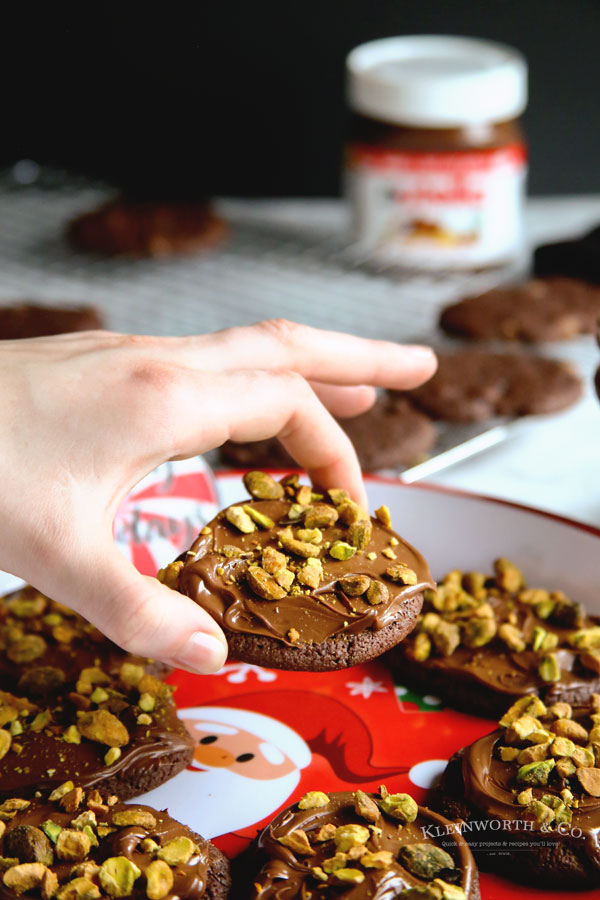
(328, 356)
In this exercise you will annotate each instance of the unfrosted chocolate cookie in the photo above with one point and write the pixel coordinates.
(44, 646)
(361, 846)
(390, 434)
(597, 375)
(484, 641)
(542, 309)
(121, 733)
(473, 385)
(28, 320)
(83, 845)
(578, 258)
(528, 795)
(129, 228)
(300, 580)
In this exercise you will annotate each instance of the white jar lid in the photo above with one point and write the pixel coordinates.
(432, 81)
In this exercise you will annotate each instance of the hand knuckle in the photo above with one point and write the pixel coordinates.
(294, 382)
(282, 330)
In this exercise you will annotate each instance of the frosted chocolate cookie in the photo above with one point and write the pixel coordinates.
(389, 435)
(119, 733)
(127, 228)
(358, 845)
(44, 646)
(301, 580)
(27, 320)
(83, 845)
(483, 641)
(529, 795)
(541, 309)
(473, 385)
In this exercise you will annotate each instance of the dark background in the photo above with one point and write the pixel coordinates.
(246, 98)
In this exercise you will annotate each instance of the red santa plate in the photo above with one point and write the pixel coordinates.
(265, 737)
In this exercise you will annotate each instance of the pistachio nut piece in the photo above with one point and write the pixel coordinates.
(425, 860)
(117, 876)
(400, 806)
(159, 880)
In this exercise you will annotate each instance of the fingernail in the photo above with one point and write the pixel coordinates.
(202, 653)
(419, 352)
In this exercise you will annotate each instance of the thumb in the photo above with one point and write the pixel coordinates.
(146, 618)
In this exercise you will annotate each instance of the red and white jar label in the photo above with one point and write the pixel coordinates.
(435, 210)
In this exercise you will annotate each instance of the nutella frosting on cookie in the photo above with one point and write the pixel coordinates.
(78, 846)
(45, 645)
(362, 846)
(120, 732)
(299, 567)
(502, 636)
(539, 776)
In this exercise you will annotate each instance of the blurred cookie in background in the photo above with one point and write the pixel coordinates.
(578, 258)
(141, 228)
(26, 320)
(597, 376)
(541, 309)
(390, 434)
(475, 385)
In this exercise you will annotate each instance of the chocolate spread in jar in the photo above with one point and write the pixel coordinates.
(436, 158)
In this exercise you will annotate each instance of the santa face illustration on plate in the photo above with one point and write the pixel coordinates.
(245, 767)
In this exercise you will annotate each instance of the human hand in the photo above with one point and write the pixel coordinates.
(86, 416)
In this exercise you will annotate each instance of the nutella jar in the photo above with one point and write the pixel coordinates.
(436, 162)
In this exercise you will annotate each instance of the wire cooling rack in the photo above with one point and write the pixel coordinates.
(282, 259)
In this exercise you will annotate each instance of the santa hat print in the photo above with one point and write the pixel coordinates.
(329, 727)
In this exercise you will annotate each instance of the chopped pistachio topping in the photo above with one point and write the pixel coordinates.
(112, 755)
(118, 875)
(366, 807)
(549, 668)
(313, 800)
(399, 806)
(425, 860)
(382, 514)
(348, 836)
(297, 841)
(240, 519)
(342, 550)
(178, 852)
(262, 486)
(261, 519)
(159, 880)
(402, 574)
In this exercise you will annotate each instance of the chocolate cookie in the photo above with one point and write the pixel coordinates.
(473, 385)
(44, 646)
(597, 374)
(120, 733)
(84, 845)
(528, 795)
(579, 258)
(542, 309)
(127, 228)
(482, 642)
(27, 320)
(359, 845)
(389, 435)
(298, 580)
